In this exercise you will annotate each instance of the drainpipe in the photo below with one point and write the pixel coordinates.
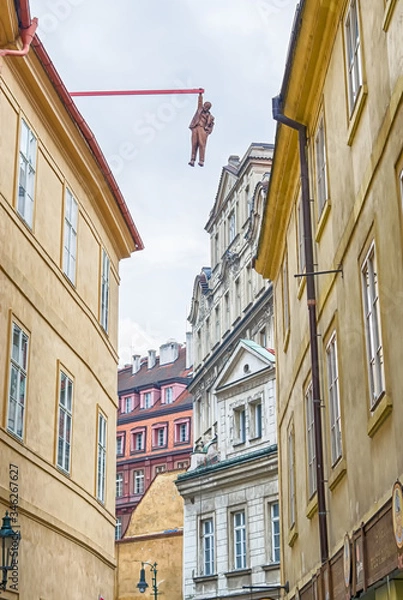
(27, 35)
(311, 301)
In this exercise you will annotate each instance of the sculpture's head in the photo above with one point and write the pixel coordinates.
(207, 106)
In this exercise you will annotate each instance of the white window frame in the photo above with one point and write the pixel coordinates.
(169, 395)
(240, 424)
(373, 327)
(101, 457)
(120, 444)
(147, 400)
(334, 399)
(119, 484)
(256, 419)
(128, 404)
(118, 528)
(26, 173)
(139, 440)
(70, 236)
(65, 422)
(353, 53)
(275, 531)
(105, 277)
(310, 440)
(231, 227)
(217, 324)
(17, 391)
(321, 166)
(239, 538)
(138, 482)
(207, 546)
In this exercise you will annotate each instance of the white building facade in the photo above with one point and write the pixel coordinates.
(231, 524)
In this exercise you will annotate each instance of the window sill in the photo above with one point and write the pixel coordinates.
(390, 6)
(356, 114)
(338, 472)
(237, 573)
(203, 578)
(274, 566)
(312, 506)
(292, 535)
(322, 220)
(379, 415)
(239, 443)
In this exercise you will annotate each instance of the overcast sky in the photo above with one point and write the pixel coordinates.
(235, 50)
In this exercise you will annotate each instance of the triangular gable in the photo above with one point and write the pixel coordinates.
(248, 359)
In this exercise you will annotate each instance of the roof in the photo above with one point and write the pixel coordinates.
(267, 353)
(24, 19)
(156, 376)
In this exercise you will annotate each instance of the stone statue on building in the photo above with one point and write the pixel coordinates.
(201, 126)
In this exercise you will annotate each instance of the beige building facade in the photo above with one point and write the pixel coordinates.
(64, 228)
(332, 244)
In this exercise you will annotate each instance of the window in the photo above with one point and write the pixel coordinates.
(207, 336)
(160, 469)
(286, 309)
(310, 440)
(207, 534)
(249, 283)
(256, 419)
(101, 458)
(231, 227)
(275, 532)
(372, 326)
(239, 537)
(321, 173)
(147, 400)
(291, 478)
(240, 425)
(238, 299)
(120, 445)
(26, 176)
(18, 381)
(263, 337)
(182, 464)
(128, 404)
(301, 238)
(138, 482)
(353, 54)
(119, 485)
(334, 399)
(159, 436)
(70, 236)
(138, 439)
(217, 324)
(227, 312)
(64, 422)
(105, 290)
(182, 431)
(118, 528)
(169, 396)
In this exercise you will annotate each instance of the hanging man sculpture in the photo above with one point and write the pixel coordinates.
(201, 125)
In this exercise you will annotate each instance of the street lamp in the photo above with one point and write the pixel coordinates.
(142, 584)
(9, 544)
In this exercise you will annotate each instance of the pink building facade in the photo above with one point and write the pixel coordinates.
(154, 427)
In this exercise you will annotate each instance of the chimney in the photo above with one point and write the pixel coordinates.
(234, 160)
(151, 358)
(136, 363)
(189, 349)
(169, 352)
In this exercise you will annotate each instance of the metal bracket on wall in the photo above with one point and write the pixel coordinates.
(339, 270)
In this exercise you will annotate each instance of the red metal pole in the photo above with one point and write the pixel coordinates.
(137, 92)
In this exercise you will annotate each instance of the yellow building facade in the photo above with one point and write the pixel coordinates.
(154, 536)
(64, 227)
(331, 241)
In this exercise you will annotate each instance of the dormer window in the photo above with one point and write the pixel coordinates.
(169, 395)
(147, 400)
